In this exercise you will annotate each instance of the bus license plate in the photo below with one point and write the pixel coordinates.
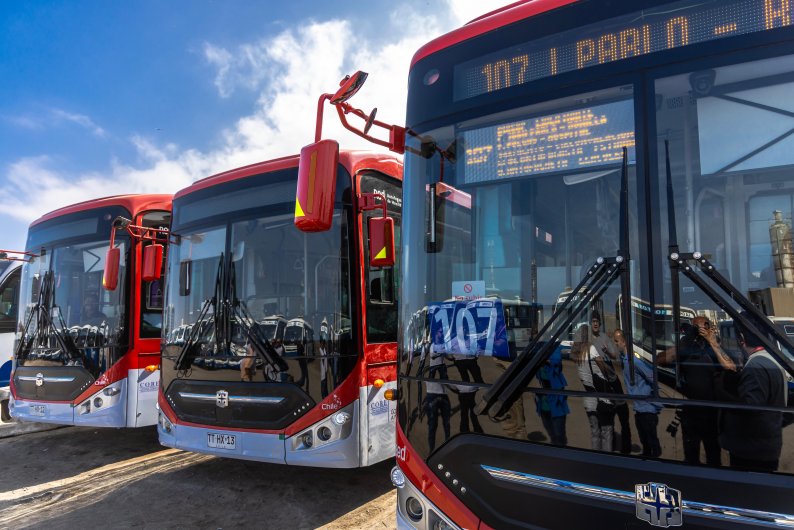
(221, 441)
(38, 410)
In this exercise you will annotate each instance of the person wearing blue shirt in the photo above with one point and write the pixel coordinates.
(646, 413)
(553, 409)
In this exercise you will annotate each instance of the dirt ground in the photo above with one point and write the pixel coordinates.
(81, 477)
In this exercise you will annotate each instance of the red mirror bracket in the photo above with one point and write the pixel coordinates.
(17, 255)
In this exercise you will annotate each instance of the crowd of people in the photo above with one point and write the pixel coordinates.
(717, 383)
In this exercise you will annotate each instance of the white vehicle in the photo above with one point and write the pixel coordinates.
(9, 304)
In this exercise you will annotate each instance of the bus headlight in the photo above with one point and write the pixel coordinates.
(397, 477)
(111, 391)
(164, 422)
(340, 418)
(307, 439)
(414, 508)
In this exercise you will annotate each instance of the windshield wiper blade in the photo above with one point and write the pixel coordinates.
(511, 384)
(46, 327)
(258, 340)
(182, 361)
(750, 318)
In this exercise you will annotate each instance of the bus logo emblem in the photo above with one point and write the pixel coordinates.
(658, 504)
(39, 379)
(222, 399)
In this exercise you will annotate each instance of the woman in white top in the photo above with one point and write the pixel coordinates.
(591, 368)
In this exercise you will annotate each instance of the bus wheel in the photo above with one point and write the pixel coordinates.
(4, 414)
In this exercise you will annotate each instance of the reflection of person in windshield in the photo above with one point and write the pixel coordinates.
(91, 314)
(609, 353)
(701, 360)
(436, 399)
(646, 413)
(754, 438)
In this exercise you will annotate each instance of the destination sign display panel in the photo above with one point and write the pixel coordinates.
(663, 28)
(576, 140)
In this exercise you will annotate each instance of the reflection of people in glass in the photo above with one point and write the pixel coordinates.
(591, 368)
(701, 359)
(466, 397)
(646, 413)
(513, 422)
(754, 438)
(436, 400)
(609, 353)
(553, 409)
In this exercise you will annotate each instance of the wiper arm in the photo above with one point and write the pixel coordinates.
(181, 362)
(46, 327)
(258, 340)
(511, 384)
(758, 324)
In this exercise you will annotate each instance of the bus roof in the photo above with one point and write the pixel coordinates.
(354, 161)
(488, 22)
(134, 203)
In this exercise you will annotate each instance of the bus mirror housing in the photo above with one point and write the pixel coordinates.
(314, 201)
(381, 241)
(110, 277)
(152, 262)
(185, 270)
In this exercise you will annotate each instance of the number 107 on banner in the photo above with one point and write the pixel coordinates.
(469, 328)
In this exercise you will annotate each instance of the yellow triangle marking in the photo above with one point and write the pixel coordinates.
(381, 254)
(298, 209)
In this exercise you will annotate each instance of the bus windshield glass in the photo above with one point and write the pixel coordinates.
(514, 218)
(279, 282)
(68, 317)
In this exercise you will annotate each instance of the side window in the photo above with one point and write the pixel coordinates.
(152, 292)
(9, 302)
(381, 283)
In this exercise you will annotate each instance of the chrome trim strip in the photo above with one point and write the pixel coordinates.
(48, 379)
(712, 511)
(263, 400)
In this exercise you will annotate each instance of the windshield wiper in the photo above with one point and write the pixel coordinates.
(183, 361)
(750, 317)
(261, 344)
(45, 326)
(511, 384)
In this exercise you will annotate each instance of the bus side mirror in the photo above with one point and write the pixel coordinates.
(314, 201)
(381, 241)
(185, 270)
(110, 278)
(152, 262)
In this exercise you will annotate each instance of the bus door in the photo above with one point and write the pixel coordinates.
(9, 304)
(145, 373)
(378, 413)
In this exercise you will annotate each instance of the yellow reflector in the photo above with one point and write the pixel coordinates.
(378, 383)
(381, 254)
(298, 209)
(152, 368)
(390, 394)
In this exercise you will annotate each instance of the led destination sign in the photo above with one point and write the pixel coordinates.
(581, 139)
(663, 28)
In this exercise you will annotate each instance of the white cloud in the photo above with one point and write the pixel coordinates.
(79, 119)
(289, 72)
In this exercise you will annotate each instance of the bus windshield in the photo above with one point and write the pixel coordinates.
(269, 271)
(71, 319)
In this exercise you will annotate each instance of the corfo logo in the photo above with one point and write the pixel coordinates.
(39, 379)
(222, 399)
(658, 504)
(379, 407)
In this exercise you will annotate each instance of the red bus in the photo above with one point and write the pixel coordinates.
(634, 149)
(279, 344)
(86, 355)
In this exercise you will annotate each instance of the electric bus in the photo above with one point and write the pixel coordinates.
(636, 149)
(88, 355)
(280, 343)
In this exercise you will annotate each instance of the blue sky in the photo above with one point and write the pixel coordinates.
(100, 98)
